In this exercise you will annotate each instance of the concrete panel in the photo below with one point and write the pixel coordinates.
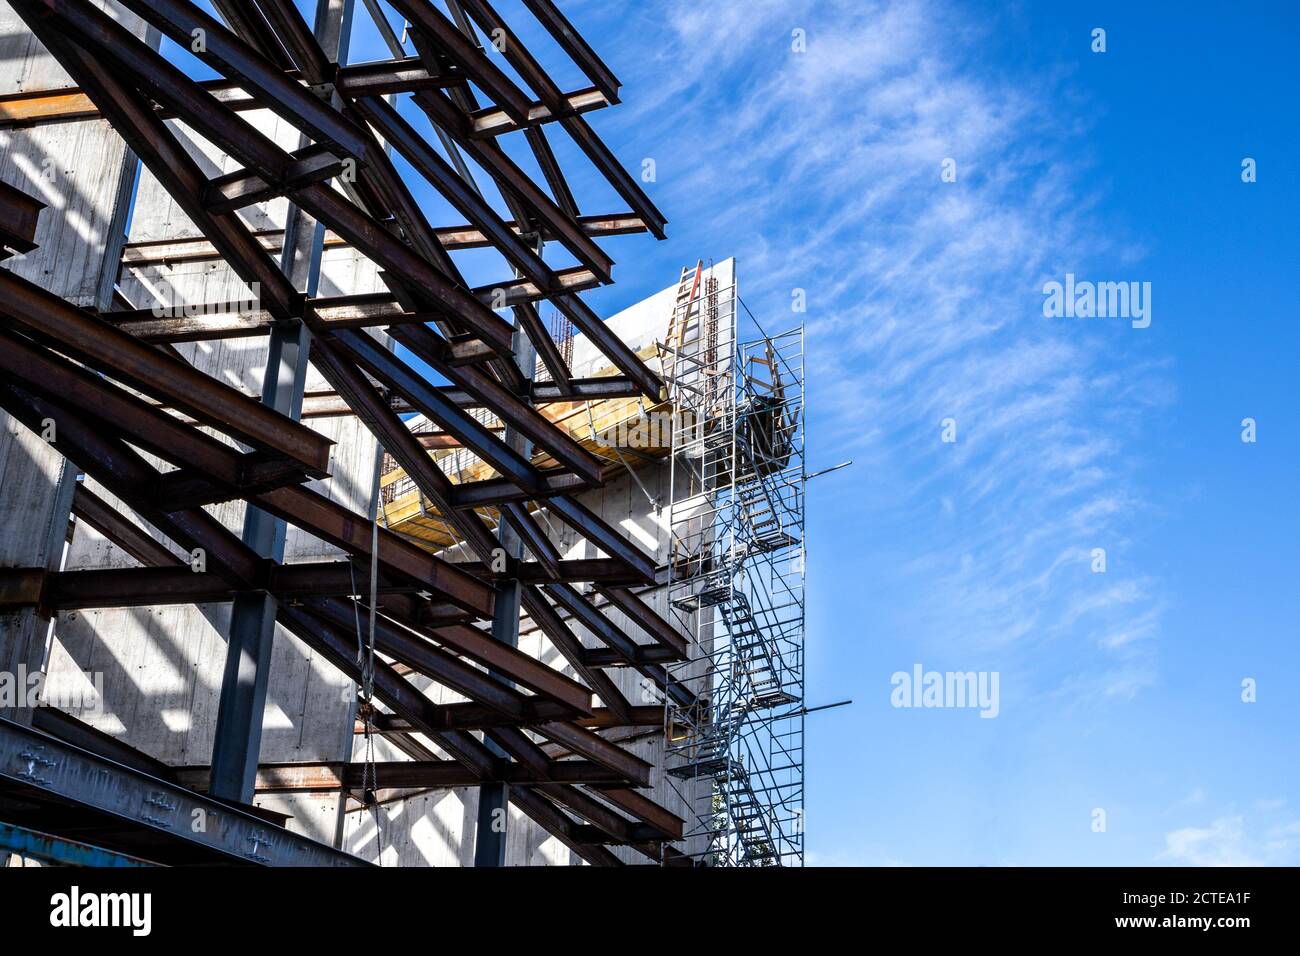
(80, 171)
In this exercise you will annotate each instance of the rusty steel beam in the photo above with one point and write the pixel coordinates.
(605, 657)
(545, 814)
(338, 525)
(647, 619)
(595, 529)
(311, 164)
(225, 52)
(638, 805)
(198, 249)
(473, 716)
(382, 77)
(297, 39)
(39, 107)
(210, 321)
(433, 662)
(247, 21)
(572, 42)
(513, 292)
(326, 404)
(567, 643)
(397, 375)
(306, 777)
(494, 122)
(527, 420)
(179, 584)
(617, 640)
(539, 545)
(524, 669)
(462, 51)
(614, 348)
(113, 352)
(615, 827)
(126, 474)
(341, 647)
(381, 418)
(117, 528)
(19, 213)
(144, 425)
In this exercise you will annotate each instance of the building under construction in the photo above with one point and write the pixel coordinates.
(338, 529)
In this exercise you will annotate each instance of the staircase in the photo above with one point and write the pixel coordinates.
(758, 667)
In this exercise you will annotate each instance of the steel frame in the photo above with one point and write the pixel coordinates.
(115, 389)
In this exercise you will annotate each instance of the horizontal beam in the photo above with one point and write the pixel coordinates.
(198, 249)
(144, 587)
(344, 528)
(328, 404)
(475, 717)
(393, 774)
(68, 104)
(382, 77)
(494, 122)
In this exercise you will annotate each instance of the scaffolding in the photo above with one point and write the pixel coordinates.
(737, 585)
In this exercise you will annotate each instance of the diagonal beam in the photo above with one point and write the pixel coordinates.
(462, 51)
(113, 352)
(231, 56)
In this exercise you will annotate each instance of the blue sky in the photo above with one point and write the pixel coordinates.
(820, 170)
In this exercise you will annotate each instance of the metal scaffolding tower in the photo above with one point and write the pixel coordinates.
(737, 587)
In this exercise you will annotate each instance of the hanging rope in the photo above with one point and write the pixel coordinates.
(366, 664)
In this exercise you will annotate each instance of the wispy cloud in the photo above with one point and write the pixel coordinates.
(1228, 841)
(823, 170)
(1222, 843)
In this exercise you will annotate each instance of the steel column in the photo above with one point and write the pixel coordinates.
(237, 741)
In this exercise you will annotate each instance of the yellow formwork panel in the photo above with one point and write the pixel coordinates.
(618, 430)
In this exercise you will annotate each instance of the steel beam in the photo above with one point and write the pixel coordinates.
(113, 352)
(307, 777)
(46, 767)
(573, 44)
(231, 56)
(19, 213)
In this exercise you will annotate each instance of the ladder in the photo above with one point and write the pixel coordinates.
(688, 287)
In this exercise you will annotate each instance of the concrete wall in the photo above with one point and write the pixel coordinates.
(82, 172)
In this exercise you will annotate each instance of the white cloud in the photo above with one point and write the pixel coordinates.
(1222, 843)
